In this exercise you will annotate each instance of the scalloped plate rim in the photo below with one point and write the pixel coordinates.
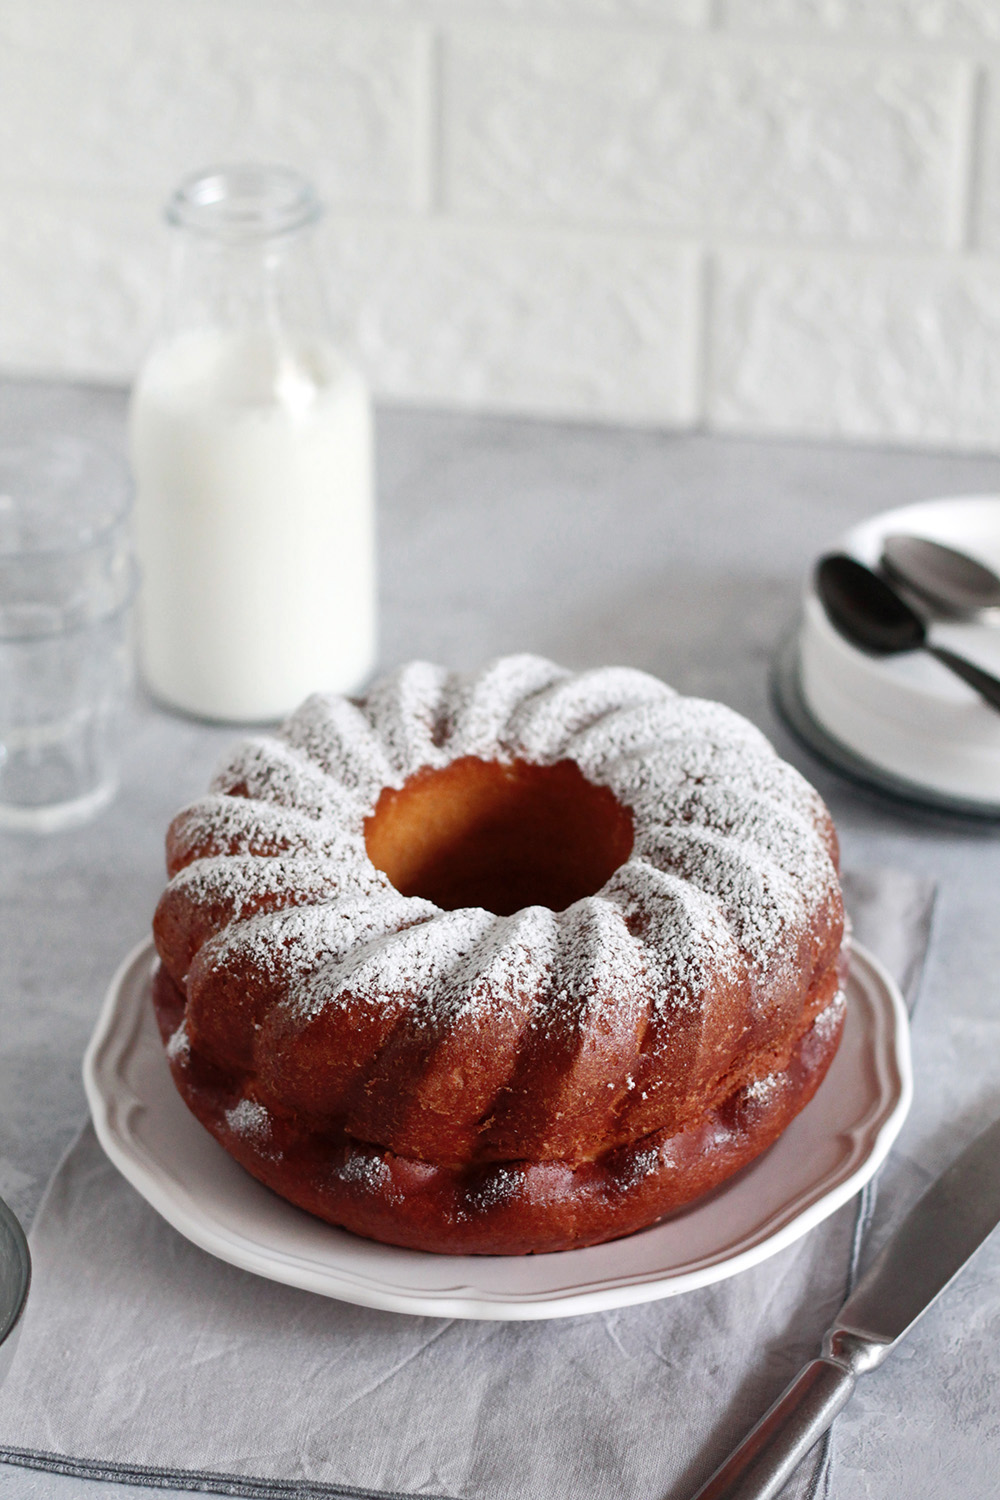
(125, 1029)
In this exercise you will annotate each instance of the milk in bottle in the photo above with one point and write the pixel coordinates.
(251, 444)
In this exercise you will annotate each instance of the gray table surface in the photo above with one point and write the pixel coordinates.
(682, 555)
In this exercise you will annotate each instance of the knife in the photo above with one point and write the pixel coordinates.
(926, 1253)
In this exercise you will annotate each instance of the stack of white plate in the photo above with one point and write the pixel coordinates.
(904, 723)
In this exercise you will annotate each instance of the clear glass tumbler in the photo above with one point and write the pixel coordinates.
(67, 578)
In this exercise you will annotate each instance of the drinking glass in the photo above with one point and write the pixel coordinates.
(67, 578)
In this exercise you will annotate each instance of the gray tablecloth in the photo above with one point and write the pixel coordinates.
(144, 1360)
(682, 555)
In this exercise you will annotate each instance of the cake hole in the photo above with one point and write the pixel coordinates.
(500, 836)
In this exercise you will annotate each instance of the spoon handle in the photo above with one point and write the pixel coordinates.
(986, 686)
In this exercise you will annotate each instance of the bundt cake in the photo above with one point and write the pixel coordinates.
(501, 963)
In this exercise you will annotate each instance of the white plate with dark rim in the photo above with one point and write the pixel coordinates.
(903, 724)
(824, 1157)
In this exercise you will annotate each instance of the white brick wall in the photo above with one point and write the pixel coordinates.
(710, 139)
(754, 215)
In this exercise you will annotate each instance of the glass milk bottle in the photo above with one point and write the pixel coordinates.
(251, 444)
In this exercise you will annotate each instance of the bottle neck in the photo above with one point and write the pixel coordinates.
(243, 260)
(244, 204)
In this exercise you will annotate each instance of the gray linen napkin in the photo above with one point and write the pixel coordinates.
(145, 1360)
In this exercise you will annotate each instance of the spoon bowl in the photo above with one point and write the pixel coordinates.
(868, 612)
(865, 609)
(952, 582)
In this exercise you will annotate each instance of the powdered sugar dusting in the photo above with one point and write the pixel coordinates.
(760, 902)
(600, 980)
(307, 942)
(730, 857)
(336, 736)
(249, 1119)
(512, 958)
(830, 1019)
(543, 727)
(366, 1170)
(408, 713)
(239, 884)
(679, 735)
(687, 938)
(500, 1187)
(416, 960)
(481, 707)
(242, 825)
(270, 770)
(763, 1090)
(179, 1045)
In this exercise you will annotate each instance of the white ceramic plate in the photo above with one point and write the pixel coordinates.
(907, 715)
(827, 1153)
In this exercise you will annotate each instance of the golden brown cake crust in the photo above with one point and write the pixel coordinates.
(501, 964)
(501, 1208)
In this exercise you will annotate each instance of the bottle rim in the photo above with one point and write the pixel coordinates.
(244, 201)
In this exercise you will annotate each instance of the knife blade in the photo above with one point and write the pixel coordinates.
(928, 1250)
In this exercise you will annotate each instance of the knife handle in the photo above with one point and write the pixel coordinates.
(769, 1454)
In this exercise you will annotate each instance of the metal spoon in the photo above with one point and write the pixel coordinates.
(949, 580)
(869, 613)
